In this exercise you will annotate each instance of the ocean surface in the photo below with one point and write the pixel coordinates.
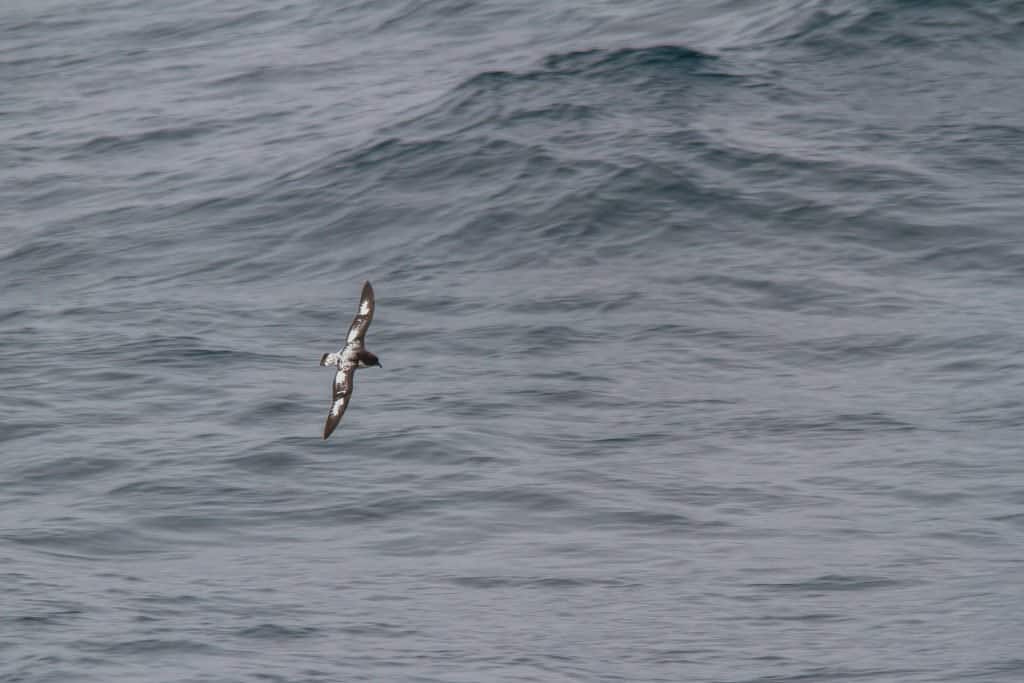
(701, 323)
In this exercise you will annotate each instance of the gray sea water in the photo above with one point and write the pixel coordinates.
(700, 322)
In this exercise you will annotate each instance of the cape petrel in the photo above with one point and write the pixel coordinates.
(351, 356)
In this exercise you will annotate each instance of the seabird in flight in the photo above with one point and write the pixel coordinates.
(351, 356)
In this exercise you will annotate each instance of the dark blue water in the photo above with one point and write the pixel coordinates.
(701, 327)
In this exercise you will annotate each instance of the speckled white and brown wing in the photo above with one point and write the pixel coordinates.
(361, 323)
(341, 392)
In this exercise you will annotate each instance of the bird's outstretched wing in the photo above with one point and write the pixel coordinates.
(364, 315)
(341, 391)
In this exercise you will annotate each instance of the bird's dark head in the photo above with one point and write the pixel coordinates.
(323, 359)
(369, 360)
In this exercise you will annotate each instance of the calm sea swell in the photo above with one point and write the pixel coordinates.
(700, 324)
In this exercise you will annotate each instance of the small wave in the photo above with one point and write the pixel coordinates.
(87, 543)
(48, 256)
(838, 29)
(174, 351)
(110, 144)
(268, 462)
(843, 424)
(537, 582)
(606, 62)
(71, 468)
(149, 646)
(188, 26)
(596, 62)
(13, 430)
(833, 583)
(548, 93)
(277, 632)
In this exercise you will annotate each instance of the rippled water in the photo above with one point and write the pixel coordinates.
(700, 325)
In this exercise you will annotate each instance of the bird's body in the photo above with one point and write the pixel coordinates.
(351, 356)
